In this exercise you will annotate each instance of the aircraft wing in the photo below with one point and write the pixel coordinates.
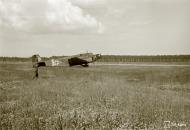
(77, 61)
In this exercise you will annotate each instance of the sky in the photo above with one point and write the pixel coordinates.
(120, 27)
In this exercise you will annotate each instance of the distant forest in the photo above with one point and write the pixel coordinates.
(157, 58)
(116, 58)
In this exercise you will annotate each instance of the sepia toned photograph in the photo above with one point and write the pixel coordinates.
(94, 64)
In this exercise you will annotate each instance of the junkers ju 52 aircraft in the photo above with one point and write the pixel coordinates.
(81, 59)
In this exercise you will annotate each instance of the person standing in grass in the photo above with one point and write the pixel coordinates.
(35, 66)
(35, 71)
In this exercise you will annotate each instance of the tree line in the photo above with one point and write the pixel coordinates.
(115, 58)
(157, 58)
(20, 59)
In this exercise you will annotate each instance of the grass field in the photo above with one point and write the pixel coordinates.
(98, 97)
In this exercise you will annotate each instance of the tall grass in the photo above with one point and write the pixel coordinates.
(99, 97)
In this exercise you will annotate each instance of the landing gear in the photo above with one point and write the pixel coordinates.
(85, 65)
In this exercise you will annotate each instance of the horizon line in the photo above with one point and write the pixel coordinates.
(103, 55)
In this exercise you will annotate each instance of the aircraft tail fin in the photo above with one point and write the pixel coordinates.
(36, 58)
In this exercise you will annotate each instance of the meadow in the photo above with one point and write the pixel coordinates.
(97, 97)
